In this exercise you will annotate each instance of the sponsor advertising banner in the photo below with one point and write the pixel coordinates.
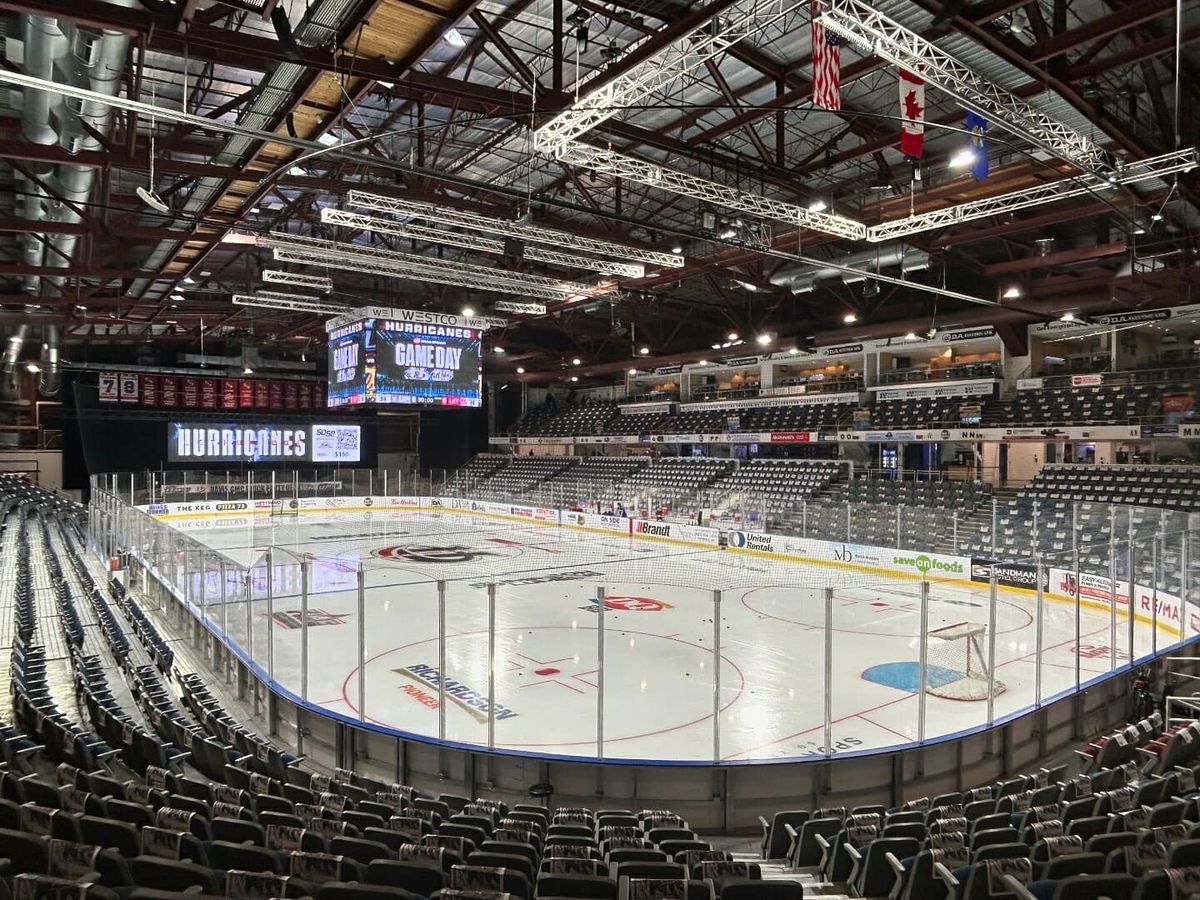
(676, 532)
(1017, 575)
(1098, 588)
(617, 524)
(958, 389)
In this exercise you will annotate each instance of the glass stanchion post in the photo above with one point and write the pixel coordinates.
(270, 615)
(993, 597)
(1155, 556)
(1040, 602)
(1112, 591)
(441, 599)
(361, 579)
(716, 600)
(923, 663)
(1131, 592)
(828, 671)
(305, 562)
(600, 617)
(491, 669)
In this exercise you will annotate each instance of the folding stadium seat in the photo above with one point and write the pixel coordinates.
(224, 855)
(165, 875)
(409, 875)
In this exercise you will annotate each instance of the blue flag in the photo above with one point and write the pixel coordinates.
(977, 125)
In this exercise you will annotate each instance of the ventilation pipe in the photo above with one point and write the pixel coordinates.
(51, 377)
(97, 63)
(9, 386)
(45, 46)
(802, 277)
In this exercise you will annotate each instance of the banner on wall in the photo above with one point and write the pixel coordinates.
(207, 392)
(128, 387)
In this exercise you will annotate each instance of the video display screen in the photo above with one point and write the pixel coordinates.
(202, 442)
(396, 362)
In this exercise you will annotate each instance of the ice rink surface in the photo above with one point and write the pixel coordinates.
(661, 676)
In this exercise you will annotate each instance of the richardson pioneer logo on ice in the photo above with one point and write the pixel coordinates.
(926, 564)
(655, 529)
(472, 702)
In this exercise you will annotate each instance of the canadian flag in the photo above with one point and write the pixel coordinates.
(912, 112)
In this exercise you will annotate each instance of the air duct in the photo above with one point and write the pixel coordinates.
(51, 377)
(90, 59)
(801, 278)
(9, 385)
(44, 47)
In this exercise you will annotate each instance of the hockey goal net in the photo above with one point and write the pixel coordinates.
(957, 664)
(284, 508)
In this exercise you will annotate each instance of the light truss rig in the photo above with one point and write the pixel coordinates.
(877, 35)
(704, 43)
(536, 233)
(298, 279)
(375, 261)
(648, 173)
(1154, 167)
(290, 302)
(478, 243)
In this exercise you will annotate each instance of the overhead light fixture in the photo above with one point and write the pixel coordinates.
(576, 361)
(178, 297)
(764, 339)
(328, 138)
(32, 367)
(727, 233)
(454, 38)
(246, 370)
(1067, 317)
(1012, 292)
(794, 350)
(520, 370)
(677, 249)
(298, 279)
(818, 205)
(499, 350)
(1156, 217)
(255, 210)
(963, 158)
(645, 351)
(205, 274)
(911, 336)
(732, 336)
(468, 310)
(297, 171)
(850, 318)
(574, 377)
(633, 371)
(703, 362)
(188, 279)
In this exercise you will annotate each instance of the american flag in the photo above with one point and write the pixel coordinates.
(826, 63)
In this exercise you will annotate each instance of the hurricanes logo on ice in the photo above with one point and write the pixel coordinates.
(455, 553)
